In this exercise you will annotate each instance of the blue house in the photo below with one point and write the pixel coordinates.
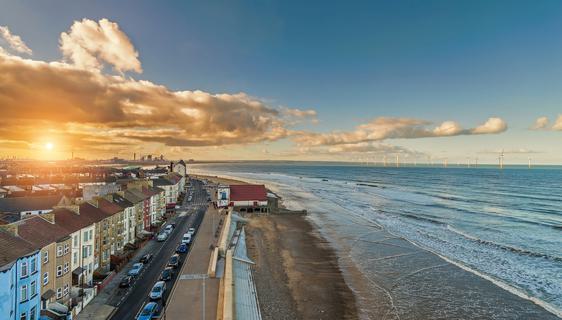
(20, 293)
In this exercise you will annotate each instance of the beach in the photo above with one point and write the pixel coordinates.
(352, 267)
(297, 274)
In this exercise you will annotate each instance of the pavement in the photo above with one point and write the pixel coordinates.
(187, 300)
(121, 304)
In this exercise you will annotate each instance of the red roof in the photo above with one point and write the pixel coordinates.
(248, 192)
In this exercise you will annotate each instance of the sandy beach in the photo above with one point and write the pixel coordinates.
(297, 273)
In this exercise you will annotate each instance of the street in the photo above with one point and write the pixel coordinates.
(129, 301)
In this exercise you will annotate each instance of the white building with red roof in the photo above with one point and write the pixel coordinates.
(248, 197)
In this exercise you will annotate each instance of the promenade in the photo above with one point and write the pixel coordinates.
(194, 295)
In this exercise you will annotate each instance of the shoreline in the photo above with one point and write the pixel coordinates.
(297, 272)
(398, 276)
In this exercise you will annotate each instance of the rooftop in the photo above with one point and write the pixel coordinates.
(12, 248)
(40, 232)
(248, 192)
(20, 204)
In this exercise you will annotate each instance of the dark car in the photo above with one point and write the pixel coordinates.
(146, 258)
(182, 248)
(167, 274)
(126, 282)
(174, 261)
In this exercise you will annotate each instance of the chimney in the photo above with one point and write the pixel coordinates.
(171, 166)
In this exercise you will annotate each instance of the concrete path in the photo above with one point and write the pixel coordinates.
(186, 300)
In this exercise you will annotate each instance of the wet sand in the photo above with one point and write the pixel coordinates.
(297, 274)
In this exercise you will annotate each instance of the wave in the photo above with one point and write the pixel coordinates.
(514, 290)
(504, 246)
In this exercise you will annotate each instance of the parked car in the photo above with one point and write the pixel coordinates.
(157, 290)
(149, 311)
(191, 231)
(146, 258)
(162, 236)
(186, 238)
(182, 248)
(167, 274)
(174, 261)
(169, 228)
(136, 269)
(126, 282)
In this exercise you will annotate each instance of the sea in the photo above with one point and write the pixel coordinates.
(431, 242)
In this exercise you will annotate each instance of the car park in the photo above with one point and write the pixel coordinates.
(162, 236)
(157, 290)
(174, 261)
(167, 274)
(126, 282)
(146, 258)
(182, 248)
(136, 269)
(149, 311)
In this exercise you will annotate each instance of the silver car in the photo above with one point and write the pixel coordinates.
(157, 290)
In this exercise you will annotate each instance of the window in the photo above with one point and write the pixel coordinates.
(33, 265)
(75, 257)
(32, 289)
(24, 269)
(65, 267)
(59, 293)
(66, 248)
(32, 313)
(84, 252)
(59, 270)
(59, 251)
(65, 292)
(45, 257)
(23, 293)
(45, 278)
(75, 240)
(23, 316)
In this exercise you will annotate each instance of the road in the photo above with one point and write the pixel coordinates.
(130, 301)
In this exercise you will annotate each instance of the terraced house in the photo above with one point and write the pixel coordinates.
(81, 229)
(54, 244)
(20, 276)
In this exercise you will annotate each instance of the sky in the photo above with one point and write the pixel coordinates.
(289, 80)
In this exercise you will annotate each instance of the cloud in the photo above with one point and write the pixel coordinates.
(372, 149)
(90, 44)
(510, 151)
(83, 108)
(540, 123)
(14, 41)
(297, 113)
(491, 126)
(383, 128)
(558, 123)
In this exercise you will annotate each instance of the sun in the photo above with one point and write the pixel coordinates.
(49, 146)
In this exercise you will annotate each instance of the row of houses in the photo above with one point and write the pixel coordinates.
(50, 258)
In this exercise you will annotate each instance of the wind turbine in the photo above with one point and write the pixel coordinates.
(501, 159)
(529, 162)
(397, 162)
